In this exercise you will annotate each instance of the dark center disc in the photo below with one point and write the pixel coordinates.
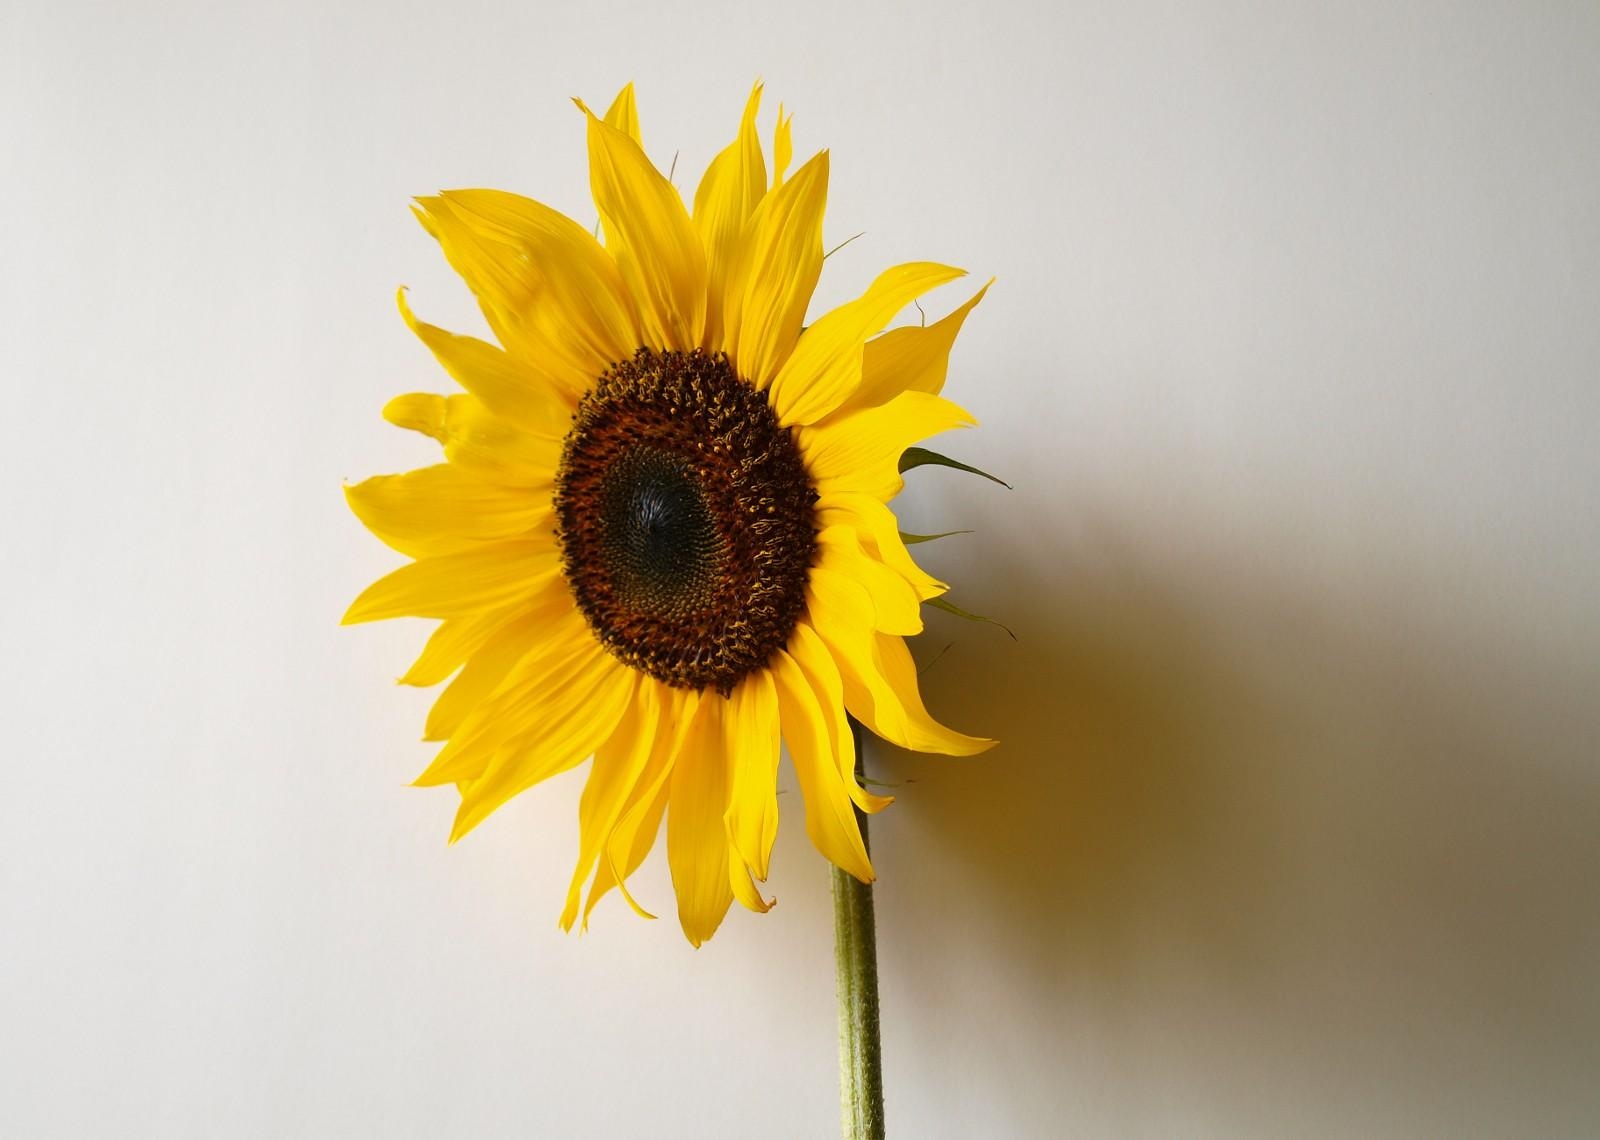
(685, 519)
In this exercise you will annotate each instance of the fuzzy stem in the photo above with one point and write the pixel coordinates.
(855, 959)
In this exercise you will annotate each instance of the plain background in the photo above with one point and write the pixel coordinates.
(1294, 361)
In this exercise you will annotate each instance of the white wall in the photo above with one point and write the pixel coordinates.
(1293, 359)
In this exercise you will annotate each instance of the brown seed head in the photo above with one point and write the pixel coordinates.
(685, 519)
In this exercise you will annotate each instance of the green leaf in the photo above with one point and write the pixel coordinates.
(951, 608)
(869, 782)
(935, 659)
(913, 539)
(918, 456)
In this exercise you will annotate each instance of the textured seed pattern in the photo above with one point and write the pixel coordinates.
(686, 519)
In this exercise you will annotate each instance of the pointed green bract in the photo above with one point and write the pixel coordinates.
(951, 608)
(921, 456)
(913, 539)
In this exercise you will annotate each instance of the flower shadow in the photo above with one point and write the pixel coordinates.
(1228, 838)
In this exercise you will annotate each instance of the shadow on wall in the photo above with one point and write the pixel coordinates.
(1238, 860)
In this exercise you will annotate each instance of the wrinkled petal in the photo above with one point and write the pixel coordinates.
(751, 748)
(572, 719)
(455, 585)
(697, 843)
(825, 370)
(770, 285)
(442, 509)
(878, 530)
(782, 146)
(830, 816)
(551, 295)
(733, 185)
(477, 440)
(454, 643)
(744, 888)
(811, 653)
(640, 819)
(910, 359)
(860, 452)
(623, 114)
(619, 764)
(649, 233)
(548, 661)
(880, 681)
(895, 605)
(508, 387)
(537, 629)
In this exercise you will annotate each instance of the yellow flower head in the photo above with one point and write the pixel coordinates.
(660, 535)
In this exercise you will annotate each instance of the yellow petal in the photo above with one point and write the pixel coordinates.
(623, 114)
(830, 816)
(618, 765)
(635, 833)
(860, 452)
(477, 440)
(778, 263)
(507, 386)
(878, 530)
(910, 359)
(651, 237)
(418, 411)
(530, 628)
(575, 318)
(825, 370)
(744, 888)
(631, 842)
(811, 653)
(751, 748)
(551, 654)
(896, 667)
(880, 681)
(503, 284)
(733, 184)
(575, 717)
(782, 147)
(509, 286)
(896, 607)
(455, 585)
(442, 509)
(454, 643)
(697, 844)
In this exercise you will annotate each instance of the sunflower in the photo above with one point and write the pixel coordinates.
(660, 535)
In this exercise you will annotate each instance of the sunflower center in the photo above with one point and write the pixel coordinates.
(685, 518)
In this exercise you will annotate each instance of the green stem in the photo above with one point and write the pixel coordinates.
(855, 958)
